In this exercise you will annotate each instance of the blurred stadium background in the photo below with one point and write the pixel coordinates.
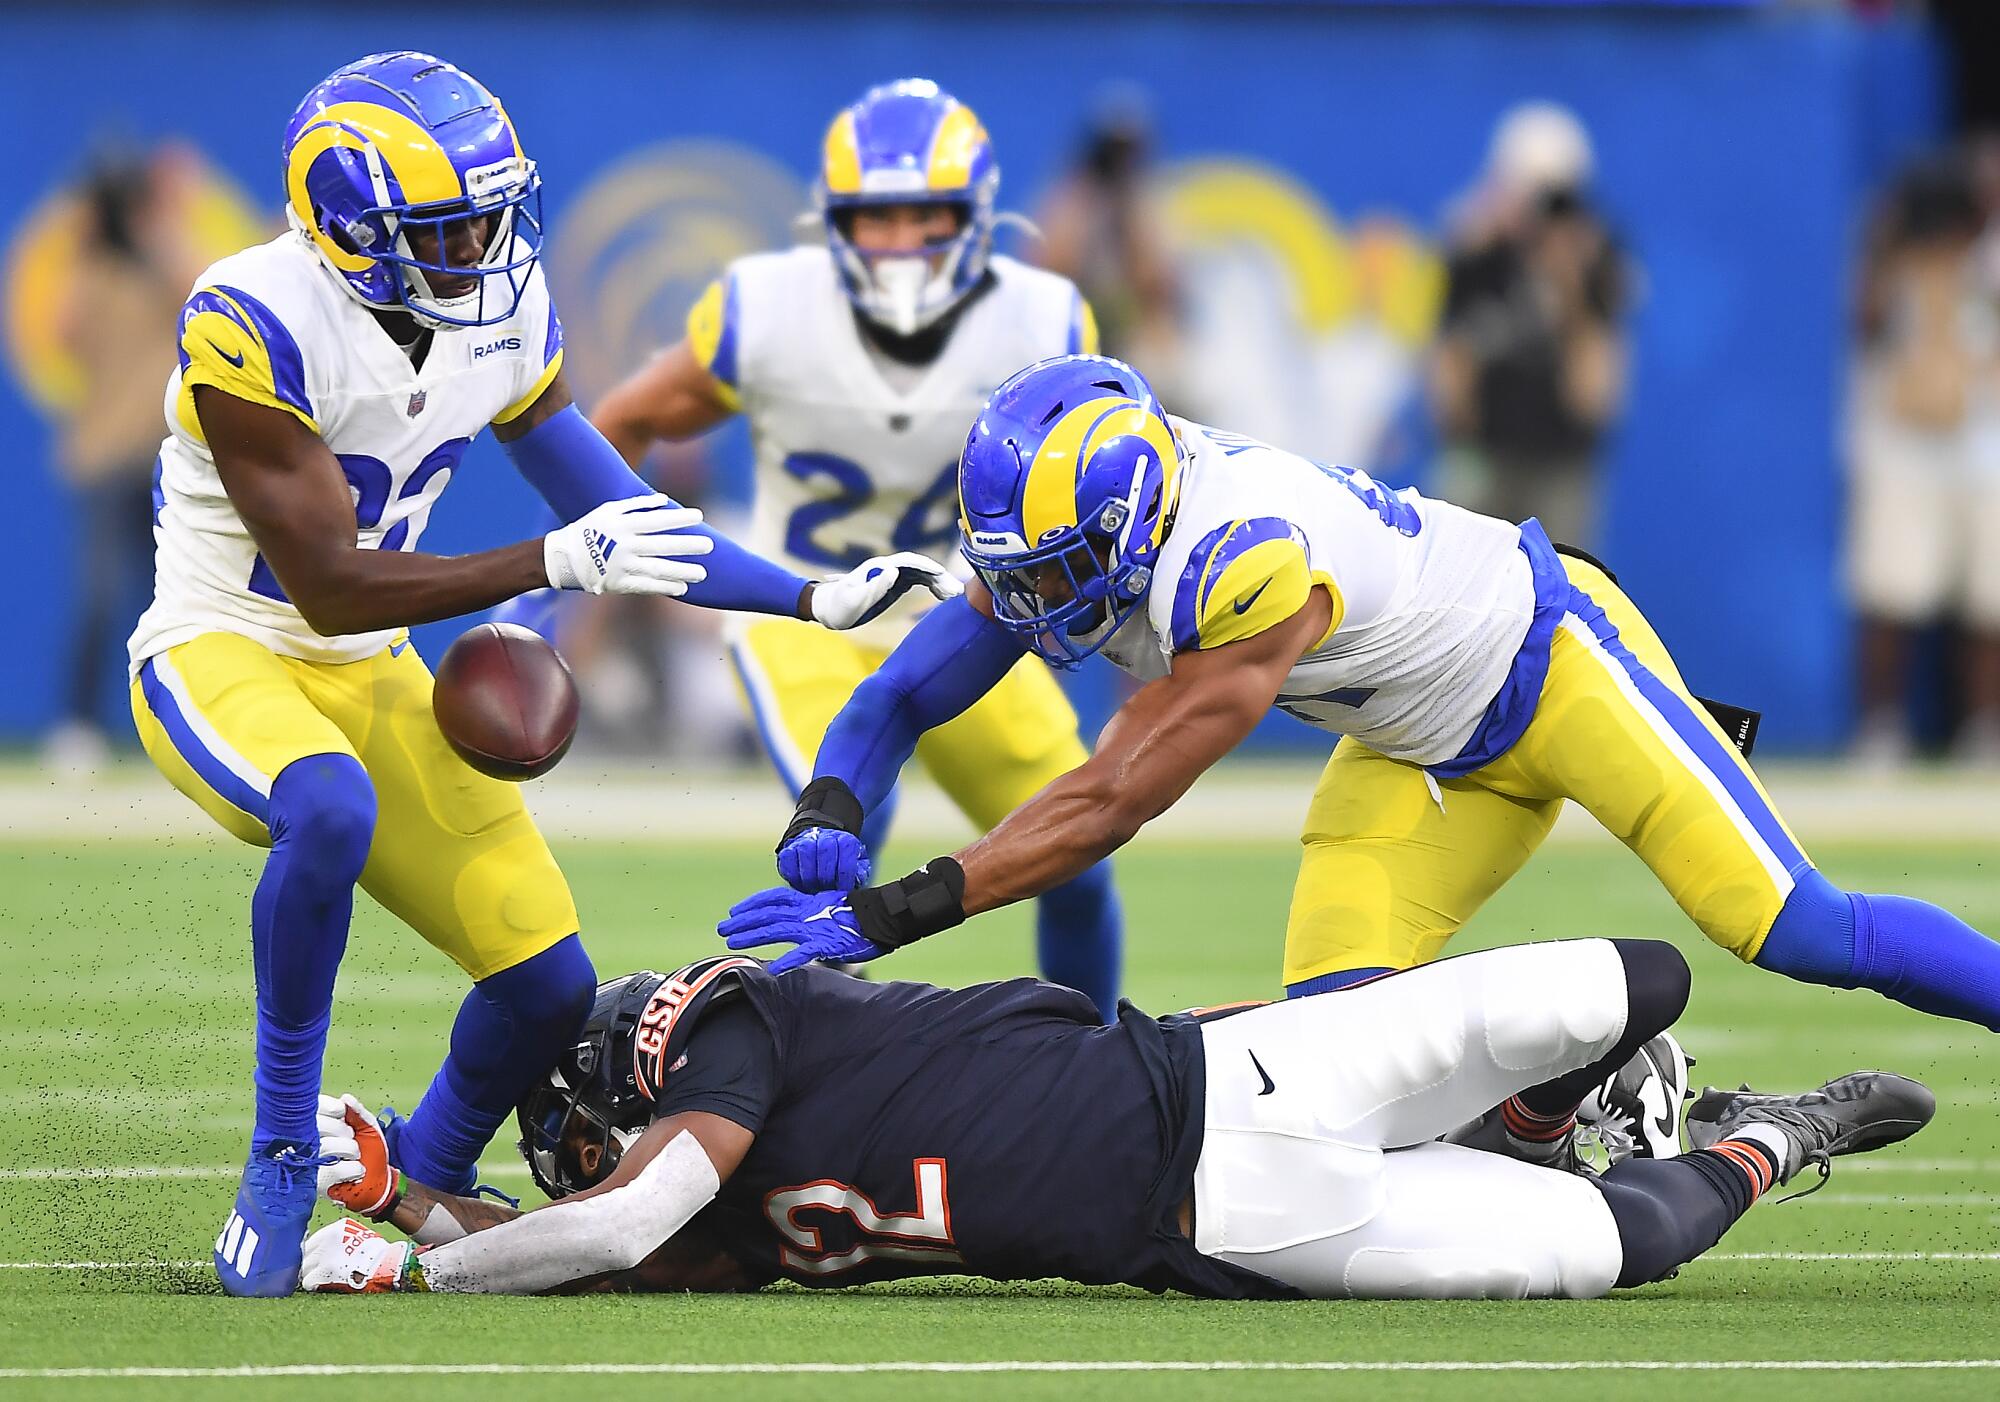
(1305, 180)
(1770, 236)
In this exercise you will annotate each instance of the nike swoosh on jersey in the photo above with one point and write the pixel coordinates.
(1243, 605)
(236, 359)
(1269, 1084)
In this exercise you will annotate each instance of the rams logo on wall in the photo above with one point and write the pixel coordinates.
(1299, 330)
(630, 255)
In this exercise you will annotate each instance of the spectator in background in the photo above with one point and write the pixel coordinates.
(1100, 233)
(118, 322)
(1530, 365)
(1924, 511)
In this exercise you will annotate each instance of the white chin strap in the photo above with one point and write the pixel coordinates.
(904, 295)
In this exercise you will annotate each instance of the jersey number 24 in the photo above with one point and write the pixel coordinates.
(852, 491)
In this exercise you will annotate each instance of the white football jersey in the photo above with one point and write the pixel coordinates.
(849, 465)
(272, 325)
(1431, 602)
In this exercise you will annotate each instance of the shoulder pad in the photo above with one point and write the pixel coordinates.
(234, 341)
(670, 1015)
(1242, 577)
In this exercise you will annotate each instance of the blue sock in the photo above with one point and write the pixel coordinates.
(1922, 956)
(322, 818)
(1080, 937)
(509, 1031)
(1327, 983)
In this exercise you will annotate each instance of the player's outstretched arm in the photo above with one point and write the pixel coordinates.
(954, 656)
(576, 471)
(1161, 740)
(1158, 744)
(590, 1238)
(671, 397)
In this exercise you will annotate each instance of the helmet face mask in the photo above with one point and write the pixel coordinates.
(1066, 492)
(908, 143)
(569, 1145)
(402, 144)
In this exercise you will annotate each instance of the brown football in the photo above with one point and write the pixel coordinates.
(506, 701)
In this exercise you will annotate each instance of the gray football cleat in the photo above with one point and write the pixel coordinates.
(1637, 1112)
(1860, 1112)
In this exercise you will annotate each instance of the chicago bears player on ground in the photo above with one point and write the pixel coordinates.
(722, 1127)
(1479, 677)
(858, 363)
(329, 383)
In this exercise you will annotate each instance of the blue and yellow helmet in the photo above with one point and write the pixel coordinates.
(909, 142)
(399, 144)
(1066, 491)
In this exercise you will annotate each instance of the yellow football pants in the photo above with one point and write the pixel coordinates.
(455, 855)
(796, 676)
(1390, 872)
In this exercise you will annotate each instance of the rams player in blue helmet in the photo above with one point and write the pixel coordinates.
(1480, 678)
(329, 384)
(857, 362)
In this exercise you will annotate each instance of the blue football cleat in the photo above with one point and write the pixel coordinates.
(258, 1250)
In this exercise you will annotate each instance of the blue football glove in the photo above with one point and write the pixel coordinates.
(817, 925)
(824, 859)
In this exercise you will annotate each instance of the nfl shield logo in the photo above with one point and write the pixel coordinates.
(417, 403)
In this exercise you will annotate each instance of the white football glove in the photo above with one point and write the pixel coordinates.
(350, 1258)
(852, 599)
(361, 1178)
(635, 546)
(336, 1137)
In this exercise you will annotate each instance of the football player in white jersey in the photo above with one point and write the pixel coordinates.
(858, 363)
(329, 383)
(1479, 678)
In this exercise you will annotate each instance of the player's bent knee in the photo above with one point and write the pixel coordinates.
(549, 993)
(1657, 983)
(325, 805)
(1813, 937)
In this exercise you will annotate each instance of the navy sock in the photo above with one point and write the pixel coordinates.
(322, 820)
(509, 1031)
(1080, 937)
(1910, 950)
(1669, 1211)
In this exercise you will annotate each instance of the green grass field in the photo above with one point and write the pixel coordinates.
(124, 1072)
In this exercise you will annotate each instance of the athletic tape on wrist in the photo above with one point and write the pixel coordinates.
(922, 903)
(825, 803)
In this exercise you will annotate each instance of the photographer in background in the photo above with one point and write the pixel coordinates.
(119, 318)
(1530, 366)
(1924, 509)
(1100, 230)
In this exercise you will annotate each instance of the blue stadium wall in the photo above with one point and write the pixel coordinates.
(1735, 148)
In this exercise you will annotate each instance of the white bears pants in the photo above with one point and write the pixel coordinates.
(1317, 1167)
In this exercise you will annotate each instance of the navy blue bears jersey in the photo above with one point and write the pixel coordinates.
(903, 1129)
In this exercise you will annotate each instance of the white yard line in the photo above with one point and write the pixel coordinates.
(1422, 1365)
(63, 1174)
